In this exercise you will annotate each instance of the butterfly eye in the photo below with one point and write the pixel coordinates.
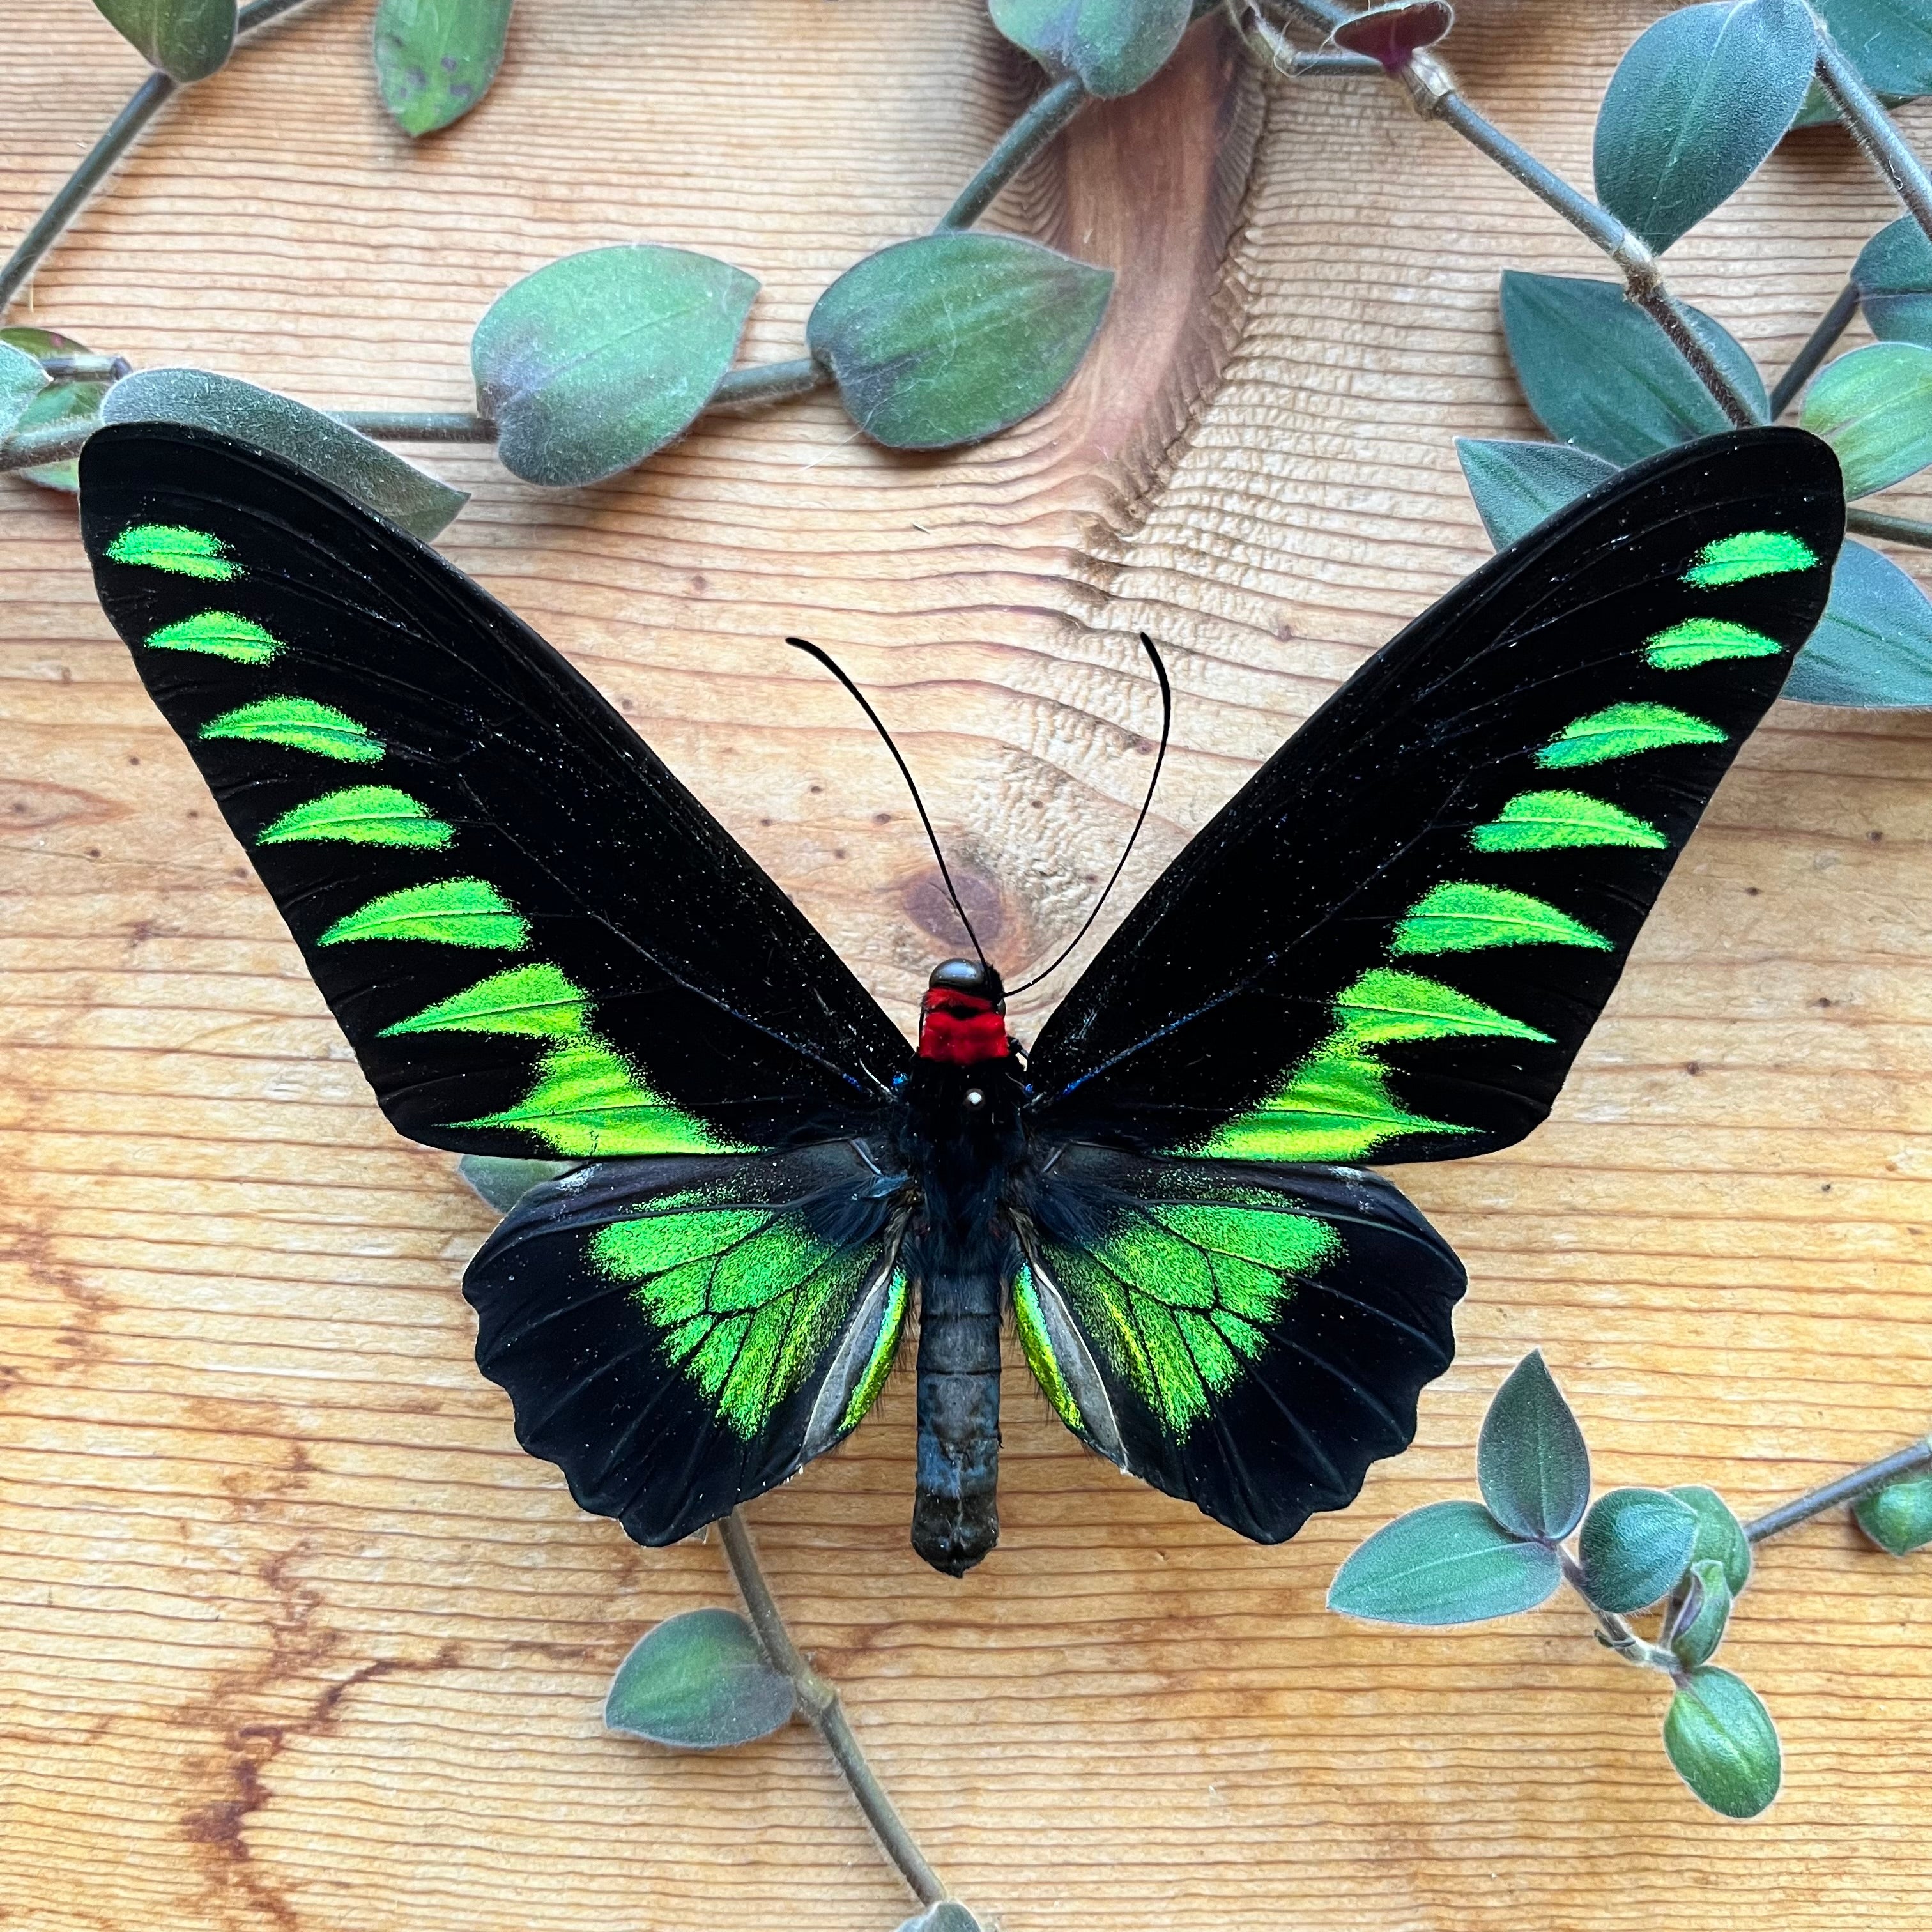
(974, 1098)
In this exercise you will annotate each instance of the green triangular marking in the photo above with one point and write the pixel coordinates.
(1460, 916)
(1543, 821)
(1749, 554)
(1622, 731)
(301, 724)
(1699, 640)
(538, 1000)
(452, 912)
(362, 815)
(168, 546)
(1385, 1005)
(1336, 1106)
(217, 634)
(590, 1104)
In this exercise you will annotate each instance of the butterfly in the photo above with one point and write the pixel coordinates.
(1388, 946)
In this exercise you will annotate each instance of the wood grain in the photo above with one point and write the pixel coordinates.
(295, 1639)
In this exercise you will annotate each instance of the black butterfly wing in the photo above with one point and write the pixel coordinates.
(679, 1336)
(1392, 942)
(537, 941)
(1250, 1338)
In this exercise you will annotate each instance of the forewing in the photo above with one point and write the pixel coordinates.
(537, 941)
(1392, 941)
(679, 1335)
(1247, 1337)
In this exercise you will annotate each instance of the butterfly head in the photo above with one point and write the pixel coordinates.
(962, 1019)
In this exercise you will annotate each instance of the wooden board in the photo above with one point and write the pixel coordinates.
(293, 1638)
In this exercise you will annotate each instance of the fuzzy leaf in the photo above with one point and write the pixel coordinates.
(359, 468)
(1873, 647)
(1893, 278)
(1113, 46)
(1530, 1458)
(22, 379)
(594, 361)
(1898, 1518)
(1447, 1563)
(1390, 34)
(1695, 107)
(1721, 1538)
(699, 1680)
(1517, 485)
(948, 1916)
(1889, 42)
(951, 337)
(502, 1181)
(1597, 371)
(1874, 408)
(63, 400)
(435, 59)
(1634, 1547)
(1698, 1627)
(187, 40)
(1723, 1742)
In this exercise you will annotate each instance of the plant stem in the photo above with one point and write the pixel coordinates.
(1846, 1489)
(1818, 345)
(1023, 140)
(1616, 1634)
(1898, 529)
(819, 1702)
(418, 425)
(56, 443)
(759, 383)
(146, 101)
(1871, 127)
(1267, 41)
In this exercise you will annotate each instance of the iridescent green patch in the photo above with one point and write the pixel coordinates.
(1543, 821)
(1336, 1106)
(1749, 554)
(537, 1000)
(361, 815)
(1178, 1296)
(1385, 1005)
(300, 724)
(589, 1103)
(1698, 640)
(217, 634)
(181, 552)
(451, 912)
(745, 1300)
(1622, 731)
(879, 1363)
(1461, 917)
(1030, 1321)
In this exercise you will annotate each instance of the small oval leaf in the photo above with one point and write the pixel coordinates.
(1695, 107)
(1113, 46)
(948, 1916)
(1721, 1538)
(593, 362)
(1898, 1518)
(1597, 371)
(1517, 485)
(1874, 408)
(699, 1680)
(1873, 647)
(1634, 1547)
(1707, 1610)
(435, 59)
(1893, 275)
(187, 40)
(22, 379)
(949, 338)
(1389, 35)
(1530, 1458)
(1889, 42)
(376, 478)
(65, 400)
(1722, 1742)
(1448, 1563)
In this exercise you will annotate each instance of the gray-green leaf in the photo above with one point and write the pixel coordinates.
(1698, 1628)
(1597, 371)
(1530, 1458)
(1695, 107)
(1517, 485)
(1722, 1741)
(501, 1181)
(360, 468)
(1889, 42)
(1448, 1563)
(1874, 408)
(1898, 1518)
(22, 379)
(1721, 1538)
(1113, 46)
(593, 362)
(187, 40)
(1893, 275)
(951, 337)
(1634, 1547)
(699, 1680)
(435, 59)
(948, 1916)
(1873, 647)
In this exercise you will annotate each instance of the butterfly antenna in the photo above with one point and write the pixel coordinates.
(811, 650)
(1147, 804)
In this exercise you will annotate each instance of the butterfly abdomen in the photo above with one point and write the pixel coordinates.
(955, 1518)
